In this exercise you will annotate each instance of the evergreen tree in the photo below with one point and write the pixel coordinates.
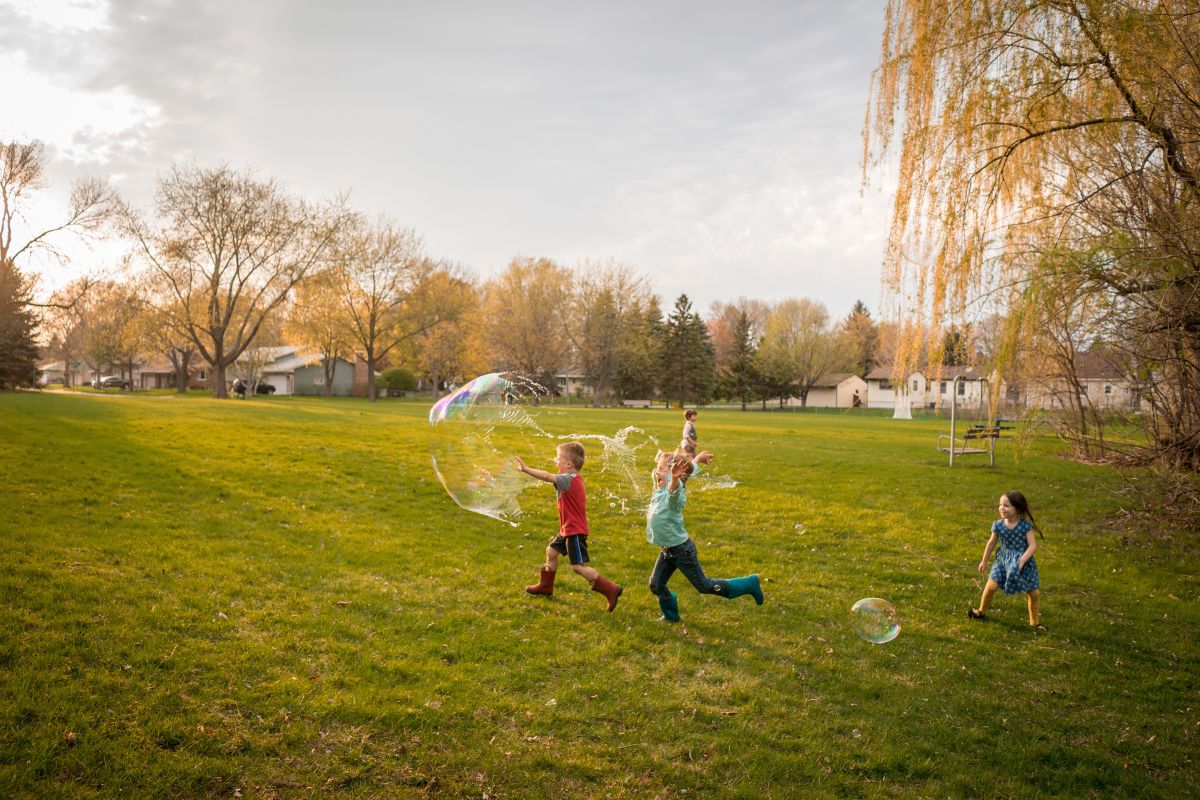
(861, 339)
(741, 376)
(638, 354)
(688, 362)
(18, 352)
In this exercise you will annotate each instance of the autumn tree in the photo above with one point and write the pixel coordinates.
(1027, 126)
(523, 313)
(318, 321)
(227, 248)
(164, 334)
(456, 348)
(605, 301)
(115, 336)
(687, 362)
(798, 345)
(391, 291)
(65, 328)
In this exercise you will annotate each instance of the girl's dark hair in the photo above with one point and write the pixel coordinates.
(1022, 506)
(691, 412)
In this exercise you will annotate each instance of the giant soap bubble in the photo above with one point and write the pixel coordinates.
(477, 428)
(480, 427)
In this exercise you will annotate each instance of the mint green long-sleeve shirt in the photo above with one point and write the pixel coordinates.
(664, 515)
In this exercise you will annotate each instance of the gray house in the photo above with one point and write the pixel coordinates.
(292, 370)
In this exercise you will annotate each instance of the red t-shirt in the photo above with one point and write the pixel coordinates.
(572, 505)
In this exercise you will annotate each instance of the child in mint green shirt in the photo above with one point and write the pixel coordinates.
(664, 528)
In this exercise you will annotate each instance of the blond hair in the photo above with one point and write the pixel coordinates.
(574, 453)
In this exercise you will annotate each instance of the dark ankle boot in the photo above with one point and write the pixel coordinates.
(746, 585)
(545, 585)
(610, 590)
(670, 608)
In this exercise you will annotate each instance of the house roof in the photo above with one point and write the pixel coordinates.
(831, 379)
(950, 372)
(1099, 365)
(946, 373)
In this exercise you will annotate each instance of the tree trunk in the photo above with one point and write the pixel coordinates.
(371, 376)
(219, 390)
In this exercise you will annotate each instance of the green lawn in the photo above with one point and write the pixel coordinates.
(275, 598)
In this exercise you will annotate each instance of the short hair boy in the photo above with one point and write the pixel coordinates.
(571, 540)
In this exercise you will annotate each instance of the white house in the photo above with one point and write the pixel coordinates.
(881, 391)
(835, 390)
(970, 384)
(928, 387)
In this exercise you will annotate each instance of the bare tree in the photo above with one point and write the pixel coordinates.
(227, 251)
(22, 179)
(392, 292)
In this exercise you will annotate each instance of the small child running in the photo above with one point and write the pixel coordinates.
(1014, 569)
(664, 527)
(571, 540)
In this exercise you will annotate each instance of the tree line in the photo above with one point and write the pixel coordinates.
(226, 262)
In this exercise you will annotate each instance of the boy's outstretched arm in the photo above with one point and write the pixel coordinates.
(540, 474)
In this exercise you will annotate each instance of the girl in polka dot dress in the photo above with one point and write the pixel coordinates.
(1014, 569)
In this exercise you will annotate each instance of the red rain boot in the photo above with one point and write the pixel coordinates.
(545, 584)
(610, 590)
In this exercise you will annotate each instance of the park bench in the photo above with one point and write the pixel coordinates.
(976, 440)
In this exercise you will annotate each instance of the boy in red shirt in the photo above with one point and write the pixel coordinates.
(571, 540)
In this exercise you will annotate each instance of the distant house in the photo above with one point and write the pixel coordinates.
(881, 390)
(53, 372)
(294, 370)
(1105, 383)
(969, 386)
(928, 387)
(572, 383)
(835, 390)
(157, 372)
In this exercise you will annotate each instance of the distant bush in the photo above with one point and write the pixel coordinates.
(398, 379)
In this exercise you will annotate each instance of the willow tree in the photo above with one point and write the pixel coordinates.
(1021, 128)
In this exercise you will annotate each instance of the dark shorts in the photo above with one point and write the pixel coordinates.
(573, 547)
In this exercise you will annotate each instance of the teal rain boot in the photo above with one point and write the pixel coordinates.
(670, 608)
(746, 585)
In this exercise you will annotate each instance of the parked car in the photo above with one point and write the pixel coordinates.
(111, 382)
(264, 388)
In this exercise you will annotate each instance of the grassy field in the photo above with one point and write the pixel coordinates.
(275, 598)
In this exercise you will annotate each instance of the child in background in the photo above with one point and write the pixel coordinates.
(688, 443)
(664, 527)
(1015, 569)
(571, 540)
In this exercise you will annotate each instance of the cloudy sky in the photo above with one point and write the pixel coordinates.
(713, 147)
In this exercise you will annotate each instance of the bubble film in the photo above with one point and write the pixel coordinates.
(875, 620)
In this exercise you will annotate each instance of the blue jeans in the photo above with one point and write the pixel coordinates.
(683, 557)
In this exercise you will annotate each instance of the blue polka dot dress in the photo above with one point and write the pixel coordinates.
(1012, 544)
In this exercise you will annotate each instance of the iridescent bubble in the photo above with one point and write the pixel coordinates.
(477, 429)
(875, 620)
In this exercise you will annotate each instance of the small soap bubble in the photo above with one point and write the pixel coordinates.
(799, 527)
(875, 620)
